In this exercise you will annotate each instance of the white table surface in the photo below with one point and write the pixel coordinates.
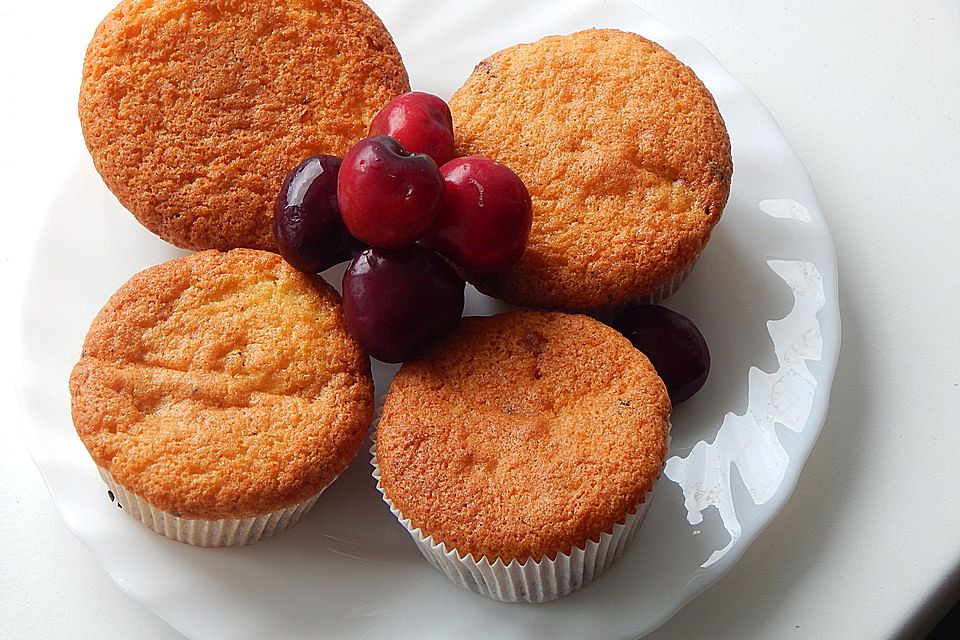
(869, 545)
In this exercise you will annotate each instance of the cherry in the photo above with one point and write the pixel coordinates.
(396, 301)
(388, 196)
(420, 121)
(306, 221)
(485, 221)
(673, 344)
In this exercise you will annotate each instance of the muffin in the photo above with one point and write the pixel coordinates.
(520, 451)
(194, 112)
(624, 153)
(219, 394)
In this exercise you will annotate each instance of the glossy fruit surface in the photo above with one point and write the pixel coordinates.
(388, 196)
(306, 218)
(486, 217)
(396, 301)
(420, 121)
(673, 344)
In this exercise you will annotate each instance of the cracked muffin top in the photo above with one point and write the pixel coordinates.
(624, 153)
(523, 435)
(222, 385)
(195, 111)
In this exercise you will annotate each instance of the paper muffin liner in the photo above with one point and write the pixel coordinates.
(608, 314)
(528, 581)
(228, 532)
(668, 288)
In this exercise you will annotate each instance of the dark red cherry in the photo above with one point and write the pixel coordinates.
(396, 301)
(486, 217)
(306, 220)
(388, 196)
(673, 344)
(420, 121)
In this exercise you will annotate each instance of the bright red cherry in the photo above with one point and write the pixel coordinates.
(388, 196)
(486, 217)
(420, 121)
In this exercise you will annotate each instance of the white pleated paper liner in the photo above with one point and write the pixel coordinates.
(206, 533)
(668, 288)
(531, 581)
(671, 286)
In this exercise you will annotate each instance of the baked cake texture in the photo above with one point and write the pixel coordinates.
(195, 111)
(222, 385)
(624, 153)
(522, 435)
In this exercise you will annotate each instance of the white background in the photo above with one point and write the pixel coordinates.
(869, 545)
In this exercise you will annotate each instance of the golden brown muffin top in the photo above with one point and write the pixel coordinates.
(624, 153)
(222, 385)
(523, 435)
(195, 111)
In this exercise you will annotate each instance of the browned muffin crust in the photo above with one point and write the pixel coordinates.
(195, 111)
(222, 385)
(523, 435)
(624, 153)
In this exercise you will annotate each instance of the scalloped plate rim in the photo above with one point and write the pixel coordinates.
(829, 317)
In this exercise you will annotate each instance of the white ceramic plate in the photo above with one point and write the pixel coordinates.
(764, 294)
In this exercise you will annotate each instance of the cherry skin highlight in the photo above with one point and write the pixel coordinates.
(486, 218)
(388, 196)
(306, 222)
(421, 122)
